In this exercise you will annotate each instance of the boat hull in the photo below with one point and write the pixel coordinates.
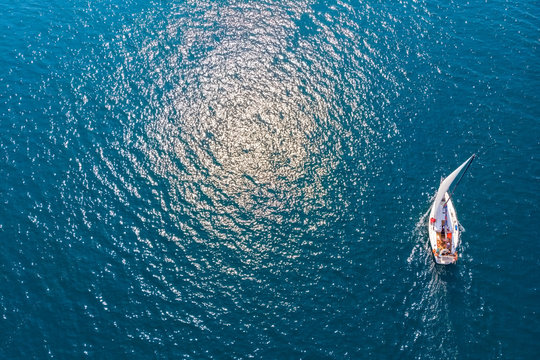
(442, 254)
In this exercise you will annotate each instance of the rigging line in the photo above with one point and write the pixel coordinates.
(461, 177)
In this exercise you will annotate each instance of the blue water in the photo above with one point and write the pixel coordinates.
(250, 179)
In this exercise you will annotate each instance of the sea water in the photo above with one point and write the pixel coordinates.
(251, 179)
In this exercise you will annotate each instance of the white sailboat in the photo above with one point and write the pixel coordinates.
(443, 226)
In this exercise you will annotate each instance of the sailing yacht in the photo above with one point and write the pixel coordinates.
(443, 226)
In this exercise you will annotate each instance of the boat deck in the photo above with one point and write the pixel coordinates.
(443, 242)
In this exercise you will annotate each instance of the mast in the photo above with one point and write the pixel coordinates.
(446, 183)
(461, 177)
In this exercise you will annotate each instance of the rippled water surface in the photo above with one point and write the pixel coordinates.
(251, 179)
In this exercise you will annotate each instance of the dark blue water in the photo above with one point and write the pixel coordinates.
(250, 179)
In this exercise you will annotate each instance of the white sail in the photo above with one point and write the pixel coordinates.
(445, 185)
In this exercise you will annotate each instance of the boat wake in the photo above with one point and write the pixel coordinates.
(420, 236)
(428, 309)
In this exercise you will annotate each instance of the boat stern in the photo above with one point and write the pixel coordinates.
(445, 259)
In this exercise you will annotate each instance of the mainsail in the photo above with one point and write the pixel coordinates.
(446, 183)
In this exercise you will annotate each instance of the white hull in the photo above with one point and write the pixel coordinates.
(444, 246)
